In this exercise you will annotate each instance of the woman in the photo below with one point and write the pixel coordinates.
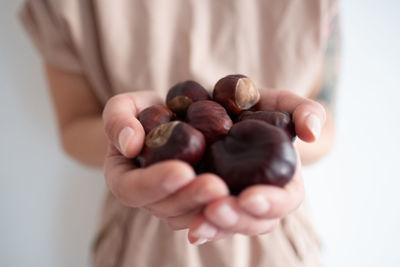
(107, 60)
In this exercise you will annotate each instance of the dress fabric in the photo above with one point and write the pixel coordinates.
(131, 45)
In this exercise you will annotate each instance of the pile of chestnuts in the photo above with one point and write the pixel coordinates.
(225, 134)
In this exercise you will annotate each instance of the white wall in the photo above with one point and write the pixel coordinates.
(49, 204)
(355, 191)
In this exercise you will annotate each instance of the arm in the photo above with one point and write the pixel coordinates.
(325, 94)
(79, 116)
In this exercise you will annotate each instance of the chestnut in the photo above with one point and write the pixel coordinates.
(202, 166)
(173, 140)
(236, 93)
(254, 152)
(281, 119)
(153, 116)
(210, 118)
(183, 94)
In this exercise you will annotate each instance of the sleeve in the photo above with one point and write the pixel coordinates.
(49, 36)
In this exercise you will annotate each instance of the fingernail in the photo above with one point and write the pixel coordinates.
(205, 231)
(314, 125)
(256, 204)
(200, 241)
(227, 216)
(124, 138)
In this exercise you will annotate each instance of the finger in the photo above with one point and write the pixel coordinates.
(309, 116)
(115, 165)
(121, 126)
(227, 215)
(205, 188)
(202, 231)
(139, 187)
(266, 201)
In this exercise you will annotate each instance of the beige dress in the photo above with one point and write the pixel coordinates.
(129, 45)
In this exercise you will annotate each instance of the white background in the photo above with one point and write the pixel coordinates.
(49, 204)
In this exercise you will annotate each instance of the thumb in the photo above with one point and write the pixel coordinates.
(121, 126)
(309, 116)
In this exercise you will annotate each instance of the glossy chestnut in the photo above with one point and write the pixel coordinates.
(210, 118)
(153, 116)
(254, 152)
(236, 93)
(183, 94)
(281, 119)
(173, 140)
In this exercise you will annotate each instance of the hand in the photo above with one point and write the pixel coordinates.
(169, 190)
(258, 209)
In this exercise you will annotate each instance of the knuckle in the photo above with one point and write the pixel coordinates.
(113, 125)
(112, 102)
(116, 99)
(114, 116)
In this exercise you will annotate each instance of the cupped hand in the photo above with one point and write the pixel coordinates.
(258, 209)
(170, 189)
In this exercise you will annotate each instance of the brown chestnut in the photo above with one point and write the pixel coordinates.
(210, 118)
(236, 93)
(153, 116)
(173, 140)
(254, 152)
(281, 119)
(182, 95)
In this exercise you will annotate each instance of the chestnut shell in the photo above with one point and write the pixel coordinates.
(183, 94)
(210, 118)
(153, 116)
(281, 119)
(236, 93)
(254, 152)
(173, 140)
